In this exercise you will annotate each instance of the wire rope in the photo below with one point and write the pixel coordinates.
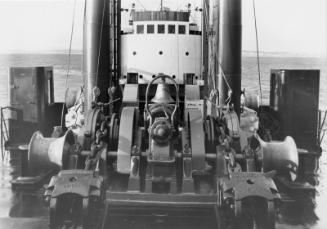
(257, 48)
(69, 61)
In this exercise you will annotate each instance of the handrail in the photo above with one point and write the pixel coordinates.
(3, 127)
(321, 123)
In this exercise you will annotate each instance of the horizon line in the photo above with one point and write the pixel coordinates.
(247, 53)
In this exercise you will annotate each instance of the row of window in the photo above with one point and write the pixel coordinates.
(188, 76)
(161, 29)
(161, 52)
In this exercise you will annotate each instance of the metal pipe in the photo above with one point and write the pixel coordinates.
(213, 38)
(230, 50)
(205, 47)
(96, 50)
(117, 44)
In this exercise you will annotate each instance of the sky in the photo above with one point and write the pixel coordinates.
(288, 26)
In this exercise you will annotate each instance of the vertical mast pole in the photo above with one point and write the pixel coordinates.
(205, 46)
(96, 53)
(118, 43)
(230, 51)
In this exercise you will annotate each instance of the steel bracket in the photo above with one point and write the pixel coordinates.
(245, 184)
(81, 182)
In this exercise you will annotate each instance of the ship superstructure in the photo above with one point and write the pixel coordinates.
(162, 42)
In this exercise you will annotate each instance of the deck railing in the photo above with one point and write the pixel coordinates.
(4, 130)
(322, 129)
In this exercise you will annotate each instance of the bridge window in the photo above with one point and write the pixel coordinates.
(181, 29)
(150, 28)
(140, 29)
(171, 29)
(161, 28)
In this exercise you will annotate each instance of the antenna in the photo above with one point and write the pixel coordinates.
(161, 5)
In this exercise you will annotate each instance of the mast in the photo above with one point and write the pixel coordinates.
(205, 41)
(230, 50)
(96, 50)
(116, 30)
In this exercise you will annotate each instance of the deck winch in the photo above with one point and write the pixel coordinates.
(154, 135)
(164, 154)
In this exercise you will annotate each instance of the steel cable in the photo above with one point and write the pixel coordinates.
(257, 46)
(69, 60)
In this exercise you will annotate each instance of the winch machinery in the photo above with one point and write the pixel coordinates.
(170, 147)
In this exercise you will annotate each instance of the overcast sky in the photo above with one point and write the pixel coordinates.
(293, 26)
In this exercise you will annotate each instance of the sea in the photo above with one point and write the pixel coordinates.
(29, 209)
